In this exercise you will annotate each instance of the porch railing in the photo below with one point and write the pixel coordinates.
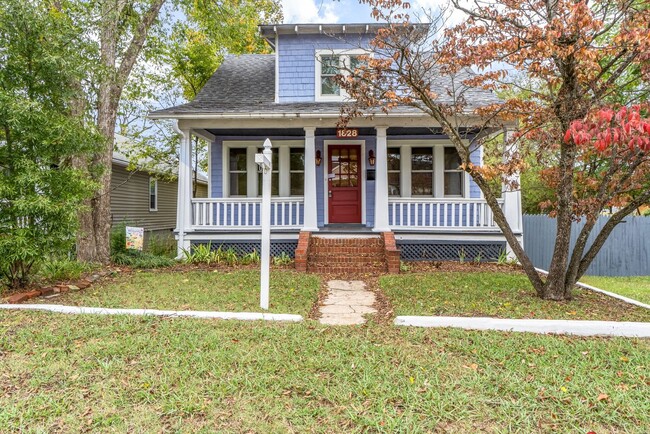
(449, 213)
(244, 213)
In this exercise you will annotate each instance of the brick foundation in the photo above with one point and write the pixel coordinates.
(302, 251)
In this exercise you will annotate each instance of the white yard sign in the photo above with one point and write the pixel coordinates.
(265, 162)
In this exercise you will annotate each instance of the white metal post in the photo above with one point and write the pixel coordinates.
(381, 182)
(266, 162)
(311, 215)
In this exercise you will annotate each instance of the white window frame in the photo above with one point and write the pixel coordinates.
(463, 179)
(252, 147)
(344, 62)
(155, 193)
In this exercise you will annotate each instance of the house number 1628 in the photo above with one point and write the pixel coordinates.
(349, 132)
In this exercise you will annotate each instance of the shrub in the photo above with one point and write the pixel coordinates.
(64, 269)
(137, 259)
(283, 259)
(161, 245)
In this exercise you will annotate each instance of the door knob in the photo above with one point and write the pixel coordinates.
(329, 194)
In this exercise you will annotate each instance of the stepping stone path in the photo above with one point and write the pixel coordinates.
(346, 303)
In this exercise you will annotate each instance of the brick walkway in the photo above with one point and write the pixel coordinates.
(346, 303)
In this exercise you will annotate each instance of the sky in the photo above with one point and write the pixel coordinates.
(341, 11)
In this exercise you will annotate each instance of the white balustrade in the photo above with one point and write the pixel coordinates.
(245, 213)
(466, 214)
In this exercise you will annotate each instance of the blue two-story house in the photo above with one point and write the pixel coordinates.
(394, 173)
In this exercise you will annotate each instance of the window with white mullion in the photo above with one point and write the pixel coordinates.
(453, 174)
(330, 66)
(422, 171)
(297, 171)
(393, 155)
(237, 172)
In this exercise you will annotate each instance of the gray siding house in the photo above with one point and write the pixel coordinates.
(139, 198)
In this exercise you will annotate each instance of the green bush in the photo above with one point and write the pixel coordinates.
(64, 269)
(137, 259)
(161, 245)
(118, 239)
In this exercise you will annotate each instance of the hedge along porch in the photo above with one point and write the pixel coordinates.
(395, 173)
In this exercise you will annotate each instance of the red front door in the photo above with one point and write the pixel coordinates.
(344, 184)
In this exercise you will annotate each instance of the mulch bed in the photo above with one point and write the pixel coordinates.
(460, 267)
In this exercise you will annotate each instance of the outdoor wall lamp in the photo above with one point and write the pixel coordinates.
(318, 158)
(371, 157)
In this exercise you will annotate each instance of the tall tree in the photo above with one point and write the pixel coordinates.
(589, 63)
(128, 32)
(40, 133)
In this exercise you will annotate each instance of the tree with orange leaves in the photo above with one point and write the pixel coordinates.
(583, 110)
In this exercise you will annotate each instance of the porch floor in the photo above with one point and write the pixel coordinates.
(345, 228)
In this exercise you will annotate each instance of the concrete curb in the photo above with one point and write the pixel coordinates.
(602, 291)
(243, 316)
(540, 326)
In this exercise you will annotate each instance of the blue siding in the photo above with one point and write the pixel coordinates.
(474, 191)
(216, 168)
(371, 144)
(297, 62)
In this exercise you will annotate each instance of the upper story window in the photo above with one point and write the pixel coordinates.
(329, 64)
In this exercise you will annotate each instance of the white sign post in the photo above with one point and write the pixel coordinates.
(265, 162)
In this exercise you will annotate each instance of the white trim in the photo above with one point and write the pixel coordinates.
(80, 310)
(540, 326)
(151, 178)
(344, 59)
(362, 162)
(277, 70)
(210, 145)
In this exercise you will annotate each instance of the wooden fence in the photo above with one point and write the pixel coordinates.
(625, 253)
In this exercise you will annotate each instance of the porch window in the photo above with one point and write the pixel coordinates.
(394, 157)
(453, 173)
(422, 171)
(275, 174)
(153, 194)
(237, 168)
(297, 170)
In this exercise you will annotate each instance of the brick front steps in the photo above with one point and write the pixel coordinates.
(347, 253)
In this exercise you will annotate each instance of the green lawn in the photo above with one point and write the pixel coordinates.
(137, 374)
(636, 287)
(224, 290)
(503, 295)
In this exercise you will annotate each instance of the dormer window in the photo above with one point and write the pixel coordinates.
(329, 64)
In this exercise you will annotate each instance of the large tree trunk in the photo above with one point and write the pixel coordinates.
(93, 244)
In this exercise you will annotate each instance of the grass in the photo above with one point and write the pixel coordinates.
(503, 295)
(137, 374)
(636, 287)
(233, 291)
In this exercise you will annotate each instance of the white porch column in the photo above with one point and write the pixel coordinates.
(381, 182)
(311, 216)
(512, 206)
(184, 200)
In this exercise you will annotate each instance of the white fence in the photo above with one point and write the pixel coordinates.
(243, 213)
(440, 213)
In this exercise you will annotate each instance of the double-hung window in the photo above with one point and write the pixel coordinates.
(237, 168)
(394, 160)
(422, 171)
(329, 65)
(453, 173)
(297, 171)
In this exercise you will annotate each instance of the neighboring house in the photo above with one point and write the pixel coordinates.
(394, 173)
(145, 198)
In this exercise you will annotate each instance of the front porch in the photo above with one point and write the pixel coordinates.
(387, 179)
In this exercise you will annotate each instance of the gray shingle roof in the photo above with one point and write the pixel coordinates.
(246, 84)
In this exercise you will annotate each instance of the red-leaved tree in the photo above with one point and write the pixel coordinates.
(575, 75)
